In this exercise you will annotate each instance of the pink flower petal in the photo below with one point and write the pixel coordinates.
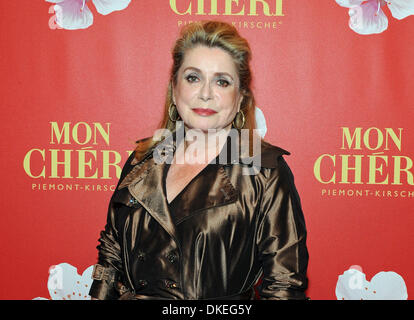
(368, 18)
(349, 3)
(401, 9)
(73, 14)
(54, 1)
(107, 6)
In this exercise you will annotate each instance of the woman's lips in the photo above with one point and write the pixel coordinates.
(204, 112)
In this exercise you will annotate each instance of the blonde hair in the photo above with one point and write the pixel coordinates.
(209, 33)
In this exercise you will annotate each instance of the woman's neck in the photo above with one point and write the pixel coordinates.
(200, 147)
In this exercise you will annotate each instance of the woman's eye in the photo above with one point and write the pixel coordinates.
(191, 78)
(223, 83)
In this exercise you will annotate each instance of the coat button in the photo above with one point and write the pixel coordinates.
(143, 283)
(172, 257)
(133, 201)
(171, 284)
(141, 256)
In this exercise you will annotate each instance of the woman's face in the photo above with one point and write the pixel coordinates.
(207, 91)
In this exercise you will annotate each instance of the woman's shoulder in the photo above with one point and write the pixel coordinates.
(271, 155)
(274, 166)
(143, 140)
(141, 149)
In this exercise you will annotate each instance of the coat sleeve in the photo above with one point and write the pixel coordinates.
(109, 251)
(281, 240)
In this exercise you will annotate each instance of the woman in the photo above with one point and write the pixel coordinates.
(193, 217)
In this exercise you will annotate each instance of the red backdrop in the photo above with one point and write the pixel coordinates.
(104, 87)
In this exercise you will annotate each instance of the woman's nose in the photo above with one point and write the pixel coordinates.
(205, 91)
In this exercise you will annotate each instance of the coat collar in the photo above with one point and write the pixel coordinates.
(231, 152)
(146, 180)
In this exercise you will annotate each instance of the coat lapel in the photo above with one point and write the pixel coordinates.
(146, 183)
(210, 188)
(149, 190)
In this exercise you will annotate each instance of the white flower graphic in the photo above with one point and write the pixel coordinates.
(65, 283)
(352, 285)
(367, 17)
(75, 14)
(260, 122)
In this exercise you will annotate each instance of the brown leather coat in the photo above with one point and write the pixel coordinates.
(233, 229)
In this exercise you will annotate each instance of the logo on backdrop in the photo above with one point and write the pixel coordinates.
(77, 159)
(65, 283)
(369, 163)
(248, 14)
(75, 14)
(385, 285)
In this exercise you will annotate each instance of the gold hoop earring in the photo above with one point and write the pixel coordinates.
(171, 112)
(243, 119)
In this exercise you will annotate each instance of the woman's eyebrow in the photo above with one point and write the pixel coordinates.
(217, 73)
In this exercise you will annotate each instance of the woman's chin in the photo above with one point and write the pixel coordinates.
(205, 126)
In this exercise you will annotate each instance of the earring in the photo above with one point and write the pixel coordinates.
(236, 120)
(171, 111)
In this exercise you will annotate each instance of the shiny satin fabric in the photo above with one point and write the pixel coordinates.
(223, 232)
